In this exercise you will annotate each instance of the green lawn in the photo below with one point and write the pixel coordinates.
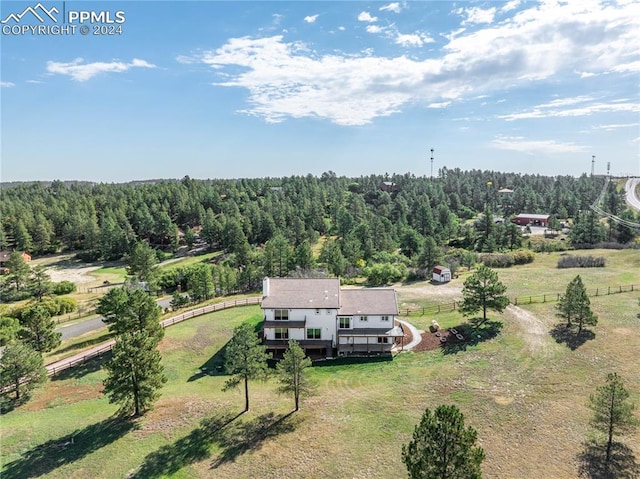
(524, 392)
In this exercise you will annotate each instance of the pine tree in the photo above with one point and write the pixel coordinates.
(18, 271)
(481, 291)
(612, 412)
(126, 311)
(142, 261)
(21, 368)
(574, 305)
(245, 359)
(39, 329)
(135, 373)
(40, 282)
(291, 372)
(442, 448)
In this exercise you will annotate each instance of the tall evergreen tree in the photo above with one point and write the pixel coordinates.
(142, 262)
(481, 291)
(612, 411)
(245, 359)
(442, 448)
(39, 329)
(40, 283)
(127, 311)
(291, 373)
(134, 373)
(21, 368)
(18, 271)
(575, 306)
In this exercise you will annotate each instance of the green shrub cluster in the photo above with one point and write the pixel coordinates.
(64, 287)
(54, 306)
(505, 260)
(570, 261)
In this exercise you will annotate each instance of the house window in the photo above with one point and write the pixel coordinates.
(383, 339)
(281, 314)
(345, 323)
(385, 318)
(314, 333)
(282, 333)
(364, 318)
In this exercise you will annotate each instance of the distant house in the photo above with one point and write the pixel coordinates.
(505, 191)
(529, 219)
(388, 186)
(327, 320)
(4, 257)
(441, 274)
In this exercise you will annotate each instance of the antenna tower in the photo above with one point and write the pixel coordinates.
(431, 162)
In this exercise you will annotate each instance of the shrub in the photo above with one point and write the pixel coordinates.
(505, 260)
(64, 287)
(581, 262)
(66, 305)
(384, 273)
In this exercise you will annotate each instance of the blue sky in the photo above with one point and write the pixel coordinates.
(251, 89)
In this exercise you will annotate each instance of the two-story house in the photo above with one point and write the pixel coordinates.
(327, 320)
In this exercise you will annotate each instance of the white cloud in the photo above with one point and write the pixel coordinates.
(512, 5)
(521, 144)
(413, 39)
(374, 29)
(476, 15)
(80, 71)
(538, 44)
(392, 7)
(615, 126)
(443, 104)
(341, 28)
(366, 17)
(35, 81)
(311, 18)
(555, 108)
(627, 67)
(7, 84)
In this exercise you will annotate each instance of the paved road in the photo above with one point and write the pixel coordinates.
(78, 329)
(631, 188)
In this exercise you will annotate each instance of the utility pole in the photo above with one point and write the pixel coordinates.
(431, 162)
(593, 163)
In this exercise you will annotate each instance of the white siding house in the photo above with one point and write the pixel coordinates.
(327, 320)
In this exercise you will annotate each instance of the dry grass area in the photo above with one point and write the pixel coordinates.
(523, 391)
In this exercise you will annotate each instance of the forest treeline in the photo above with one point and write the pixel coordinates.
(358, 220)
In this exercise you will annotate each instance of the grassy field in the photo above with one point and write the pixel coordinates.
(525, 391)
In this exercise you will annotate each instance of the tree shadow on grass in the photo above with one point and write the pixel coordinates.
(562, 334)
(250, 435)
(474, 331)
(214, 366)
(8, 402)
(80, 370)
(623, 463)
(56, 453)
(192, 448)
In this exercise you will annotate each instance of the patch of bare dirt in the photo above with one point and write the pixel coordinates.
(534, 331)
(78, 275)
(58, 393)
(170, 414)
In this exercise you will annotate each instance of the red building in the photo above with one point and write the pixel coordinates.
(529, 219)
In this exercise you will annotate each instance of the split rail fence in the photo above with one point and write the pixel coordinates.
(528, 299)
(52, 369)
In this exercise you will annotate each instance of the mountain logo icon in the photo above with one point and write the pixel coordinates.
(39, 11)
